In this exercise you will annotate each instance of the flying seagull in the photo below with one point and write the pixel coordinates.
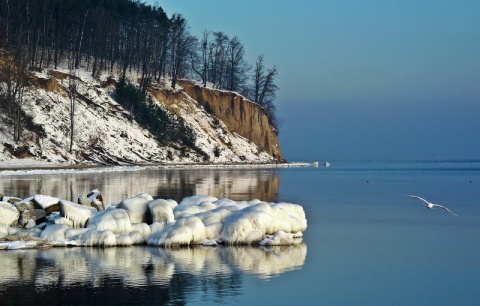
(431, 205)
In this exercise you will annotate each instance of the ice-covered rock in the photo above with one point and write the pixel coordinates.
(196, 220)
(85, 201)
(186, 231)
(161, 210)
(156, 227)
(96, 200)
(280, 238)
(76, 213)
(8, 216)
(142, 229)
(47, 203)
(54, 232)
(30, 224)
(137, 207)
(114, 219)
(75, 233)
(246, 226)
(102, 238)
(250, 225)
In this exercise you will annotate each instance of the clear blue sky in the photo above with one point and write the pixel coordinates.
(362, 79)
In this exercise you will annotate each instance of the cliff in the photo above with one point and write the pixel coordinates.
(241, 116)
(225, 127)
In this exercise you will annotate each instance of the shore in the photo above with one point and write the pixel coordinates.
(31, 165)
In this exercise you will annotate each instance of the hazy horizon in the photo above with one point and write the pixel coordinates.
(362, 79)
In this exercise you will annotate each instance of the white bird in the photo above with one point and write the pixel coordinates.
(431, 205)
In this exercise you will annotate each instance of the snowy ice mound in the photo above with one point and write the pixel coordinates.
(196, 220)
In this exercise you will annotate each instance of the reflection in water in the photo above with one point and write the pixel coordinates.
(168, 275)
(235, 184)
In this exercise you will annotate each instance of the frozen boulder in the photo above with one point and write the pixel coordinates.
(47, 203)
(102, 238)
(252, 224)
(246, 226)
(124, 240)
(280, 238)
(76, 213)
(85, 201)
(74, 233)
(137, 207)
(8, 216)
(143, 229)
(96, 200)
(54, 232)
(161, 211)
(30, 224)
(186, 231)
(115, 220)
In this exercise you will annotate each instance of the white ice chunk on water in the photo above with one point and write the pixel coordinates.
(246, 226)
(76, 213)
(162, 210)
(54, 232)
(102, 238)
(280, 238)
(113, 219)
(185, 231)
(140, 233)
(156, 227)
(137, 208)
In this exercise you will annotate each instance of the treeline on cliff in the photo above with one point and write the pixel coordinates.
(126, 35)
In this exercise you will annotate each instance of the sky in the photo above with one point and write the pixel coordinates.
(362, 80)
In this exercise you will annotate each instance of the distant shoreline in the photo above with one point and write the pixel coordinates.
(32, 166)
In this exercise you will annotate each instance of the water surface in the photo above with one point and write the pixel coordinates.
(366, 243)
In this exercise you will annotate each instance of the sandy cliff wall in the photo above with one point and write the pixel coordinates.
(241, 116)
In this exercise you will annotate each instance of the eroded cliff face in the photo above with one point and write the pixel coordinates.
(225, 128)
(241, 116)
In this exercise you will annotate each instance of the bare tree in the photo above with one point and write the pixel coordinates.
(72, 94)
(204, 59)
(182, 45)
(264, 88)
(13, 80)
(237, 67)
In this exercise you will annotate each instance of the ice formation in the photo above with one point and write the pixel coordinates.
(113, 219)
(76, 213)
(136, 207)
(8, 215)
(196, 220)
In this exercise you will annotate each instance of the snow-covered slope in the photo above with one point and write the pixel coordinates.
(106, 133)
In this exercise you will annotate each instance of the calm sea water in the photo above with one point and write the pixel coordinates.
(366, 243)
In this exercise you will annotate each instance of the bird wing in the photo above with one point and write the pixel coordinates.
(414, 196)
(446, 209)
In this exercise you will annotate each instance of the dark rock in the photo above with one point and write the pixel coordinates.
(25, 204)
(37, 215)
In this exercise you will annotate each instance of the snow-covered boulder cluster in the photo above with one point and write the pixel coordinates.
(196, 220)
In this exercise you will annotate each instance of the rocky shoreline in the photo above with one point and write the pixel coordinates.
(43, 221)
